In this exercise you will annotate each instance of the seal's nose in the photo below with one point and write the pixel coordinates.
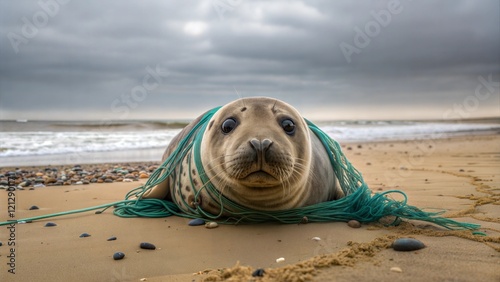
(261, 146)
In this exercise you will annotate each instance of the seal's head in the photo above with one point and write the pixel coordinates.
(257, 152)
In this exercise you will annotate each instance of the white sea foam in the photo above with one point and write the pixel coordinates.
(48, 143)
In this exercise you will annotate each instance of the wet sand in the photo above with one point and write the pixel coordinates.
(459, 175)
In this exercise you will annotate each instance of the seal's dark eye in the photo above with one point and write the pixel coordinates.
(288, 126)
(228, 125)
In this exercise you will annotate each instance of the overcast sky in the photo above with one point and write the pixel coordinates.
(175, 59)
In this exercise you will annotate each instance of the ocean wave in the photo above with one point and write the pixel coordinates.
(403, 131)
(38, 143)
(48, 143)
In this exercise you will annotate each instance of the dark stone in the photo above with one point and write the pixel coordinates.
(33, 208)
(407, 245)
(258, 272)
(118, 256)
(50, 224)
(147, 246)
(196, 222)
(111, 238)
(83, 235)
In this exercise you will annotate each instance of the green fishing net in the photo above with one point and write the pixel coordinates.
(359, 203)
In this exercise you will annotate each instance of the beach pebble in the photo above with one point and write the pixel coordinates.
(127, 180)
(85, 234)
(50, 180)
(1, 244)
(396, 269)
(211, 225)
(354, 223)
(50, 224)
(33, 208)
(278, 260)
(316, 239)
(143, 175)
(143, 279)
(407, 244)
(147, 246)
(258, 272)
(118, 256)
(111, 238)
(196, 222)
(38, 185)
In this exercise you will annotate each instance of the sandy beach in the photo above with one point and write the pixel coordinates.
(458, 174)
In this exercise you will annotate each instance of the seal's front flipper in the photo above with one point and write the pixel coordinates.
(160, 191)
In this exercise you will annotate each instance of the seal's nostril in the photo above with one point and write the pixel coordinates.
(255, 143)
(266, 143)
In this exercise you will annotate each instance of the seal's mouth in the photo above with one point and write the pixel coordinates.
(259, 179)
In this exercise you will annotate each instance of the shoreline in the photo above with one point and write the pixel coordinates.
(459, 175)
(101, 146)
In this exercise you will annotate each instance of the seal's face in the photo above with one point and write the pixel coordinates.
(256, 150)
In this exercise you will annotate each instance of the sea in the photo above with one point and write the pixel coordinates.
(36, 143)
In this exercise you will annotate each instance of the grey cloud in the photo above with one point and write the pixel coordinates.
(92, 52)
